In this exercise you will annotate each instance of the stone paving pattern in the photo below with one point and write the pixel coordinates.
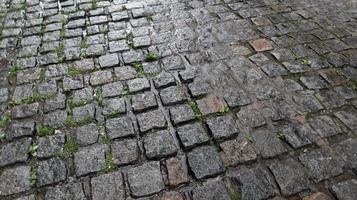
(178, 99)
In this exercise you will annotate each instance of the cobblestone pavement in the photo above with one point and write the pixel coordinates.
(178, 99)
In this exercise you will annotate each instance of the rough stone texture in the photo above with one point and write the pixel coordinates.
(346, 190)
(51, 171)
(205, 162)
(290, 176)
(145, 179)
(15, 180)
(125, 151)
(90, 159)
(119, 127)
(256, 183)
(68, 191)
(159, 144)
(16, 151)
(321, 165)
(257, 82)
(108, 186)
(213, 189)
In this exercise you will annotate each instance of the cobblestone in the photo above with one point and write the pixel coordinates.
(178, 99)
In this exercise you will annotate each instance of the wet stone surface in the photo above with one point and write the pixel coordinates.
(178, 99)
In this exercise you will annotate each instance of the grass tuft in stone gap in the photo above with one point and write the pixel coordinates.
(72, 71)
(125, 91)
(44, 130)
(150, 57)
(224, 109)
(5, 120)
(33, 177)
(139, 68)
(249, 138)
(32, 99)
(2, 136)
(109, 164)
(14, 70)
(33, 149)
(233, 191)
(196, 110)
(70, 147)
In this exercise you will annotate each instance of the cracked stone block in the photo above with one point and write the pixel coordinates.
(177, 171)
(223, 127)
(55, 119)
(349, 118)
(255, 183)
(114, 105)
(164, 79)
(313, 82)
(211, 104)
(90, 159)
(172, 95)
(15, 180)
(86, 135)
(267, 143)
(332, 77)
(151, 120)
(145, 179)
(236, 97)
(19, 129)
(70, 190)
(83, 112)
(84, 64)
(125, 151)
(308, 102)
(294, 67)
(212, 189)
(346, 92)
(237, 151)
(138, 84)
(159, 144)
(324, 126)
(16, 151)
(23, 111)
(320, 165)
(297, 135)
(251, 117)
(192, 135)
(181, 113)
(205, 162)
(56, 70)
(346, 190)
(73, 82)
(51, 171)
(109, 60)
(125, 73)
(112, 89)
(108, 186)
(100, 77)
(50, 145)
(119, 127)
(317, 196)
(347, 151)
(290, 176)
(143, 101)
